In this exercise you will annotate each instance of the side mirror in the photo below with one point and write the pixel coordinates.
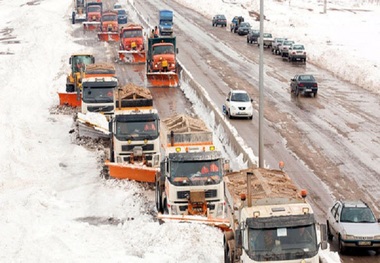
(251, 100)
(227, 99)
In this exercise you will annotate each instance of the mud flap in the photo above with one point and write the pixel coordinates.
(131, 57)
(109, 36)
(163, 79)
(140, 173)
(69, 99)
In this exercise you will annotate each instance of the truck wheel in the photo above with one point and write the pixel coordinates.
(158, 198)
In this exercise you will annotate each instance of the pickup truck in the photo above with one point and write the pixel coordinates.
(304, 84)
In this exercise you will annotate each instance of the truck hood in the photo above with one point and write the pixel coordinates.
(362, 229)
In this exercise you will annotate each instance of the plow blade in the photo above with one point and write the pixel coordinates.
(91, 26)
(222, 223)
(132, 57)
(163, 79)
(69, 99)
(93, 125)
(140, 173)
(109, 36)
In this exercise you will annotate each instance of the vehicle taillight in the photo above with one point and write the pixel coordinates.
(301, 85)
(315, 85)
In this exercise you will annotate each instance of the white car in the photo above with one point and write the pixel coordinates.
(267, 40)
(238, 104)
(354, 225)
(297, 52)
(117, 6)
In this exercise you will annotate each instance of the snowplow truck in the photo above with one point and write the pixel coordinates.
(132, 49)
(189, 184)
(166, 23)
(134, 130)
(72, 95)
(94, 12)
(98, 90)
(270, 219)
(161, 66)
(109, 27)
(79, 12)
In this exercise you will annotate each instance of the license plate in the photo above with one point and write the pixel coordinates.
(308, 90)
(364, 243)
(164, 63)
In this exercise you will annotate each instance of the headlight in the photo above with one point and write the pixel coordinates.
(220, 210)
(377, 237)
(234, 107)
(348, 237)
(174, 209)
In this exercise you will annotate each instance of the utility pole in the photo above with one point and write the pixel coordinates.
(325, 7)
(261, 86)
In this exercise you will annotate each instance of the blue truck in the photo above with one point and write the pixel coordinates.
(166, 23)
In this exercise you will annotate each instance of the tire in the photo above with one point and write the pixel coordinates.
(297, 92)
(315, 94)
(70, 88)
(229, 114)
(330, 236)
(341, 248)
(158, 196)
(73, 18)
(250, 117)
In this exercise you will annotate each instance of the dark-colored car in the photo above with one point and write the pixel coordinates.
(235, 23)
(304, 84)
(219, 20)
(243, 29)
(122, 17)
(252, 36)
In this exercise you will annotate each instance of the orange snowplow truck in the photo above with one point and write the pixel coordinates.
(109, 27)
(132, 48)
(162, 67)
(93, 15)
(78, 64)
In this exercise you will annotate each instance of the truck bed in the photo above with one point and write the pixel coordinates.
(267, 186)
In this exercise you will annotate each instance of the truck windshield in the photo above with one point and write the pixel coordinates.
(98, 94)
(158, 50)
(132, 33)
(109, 18)
(282, 243)
(93, 9)
(136, 130)
(203, 172)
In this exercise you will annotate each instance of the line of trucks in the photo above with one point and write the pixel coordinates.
(262, 213)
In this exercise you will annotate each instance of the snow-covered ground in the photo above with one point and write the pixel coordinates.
(54, 206)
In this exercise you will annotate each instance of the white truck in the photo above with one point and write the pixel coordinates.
(189, 185)
(270, 221)
(135, 129)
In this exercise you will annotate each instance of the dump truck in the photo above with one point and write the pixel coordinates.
(93, 15)
(162, 68)
(189, 184)
(132, 48)
(270, 219)
(165, 26)
(79, 12)
(109, 27)
(134, 131)
(72, 95)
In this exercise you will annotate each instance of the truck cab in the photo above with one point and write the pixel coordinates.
(166, 22)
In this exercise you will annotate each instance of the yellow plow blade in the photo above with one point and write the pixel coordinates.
(163, 79)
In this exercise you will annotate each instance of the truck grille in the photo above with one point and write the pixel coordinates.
(145, 147)
(208, 194)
